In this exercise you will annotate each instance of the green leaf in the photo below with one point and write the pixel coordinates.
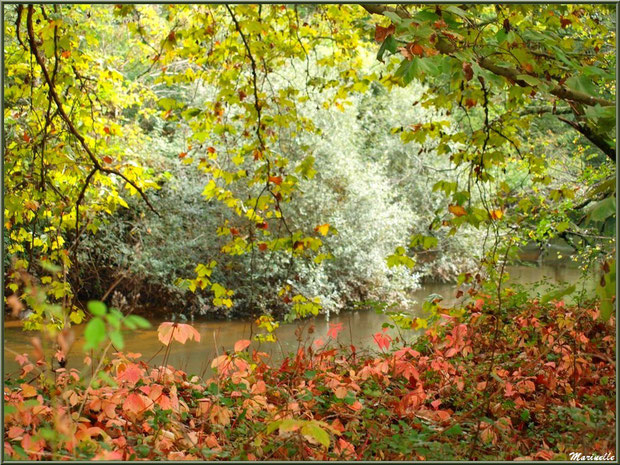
(456, 10)
(94, 333)
(105, 377)
(454, 430)
(349, 399)
(389, 44)
(531, 80)
(582, 84)
(607, 292)
(117, 339)
(317, 433)
(8, 409)
(138, 321)
(271, 427)
(426, 15)
(557, 294)
(393, 16)
(97, 308)
(602, 210)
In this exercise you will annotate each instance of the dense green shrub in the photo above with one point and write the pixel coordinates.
(372, 191)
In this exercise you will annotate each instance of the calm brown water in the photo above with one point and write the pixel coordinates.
(219, 336)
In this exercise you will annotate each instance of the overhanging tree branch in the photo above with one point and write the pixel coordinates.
(511, 74)
(63, 114)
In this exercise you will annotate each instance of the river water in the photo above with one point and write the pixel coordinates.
(219, 336)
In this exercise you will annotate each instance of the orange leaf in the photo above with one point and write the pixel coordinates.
(457, 210)
(468, 71)
(182, 154)
(107, 159)
(66, 54)
(15, 432)
(381, 33)
(134, 403)
(262, 246)
(106, 130)
(440, 24)
(26, 138)
(241, 345)
(178, 331)
(356, 406)
(416, 49)
(340, 392)
(28, 390)
(211, 149)
(31, 205)
(131, 374)
(277, 180)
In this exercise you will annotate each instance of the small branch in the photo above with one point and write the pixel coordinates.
(381, 9)
(596, 139)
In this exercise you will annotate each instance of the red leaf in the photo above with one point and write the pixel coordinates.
(211, 149)
(382, 340)
(106, 130)
(262, 246)
(21, 359)
(262, 225)
(334, 329)
(26, 138)
(107, 159)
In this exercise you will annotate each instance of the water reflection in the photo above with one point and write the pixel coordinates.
(220, 336)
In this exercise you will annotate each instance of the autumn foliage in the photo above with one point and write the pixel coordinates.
(535, 385)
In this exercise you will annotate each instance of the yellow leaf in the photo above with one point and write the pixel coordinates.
(496, 214)
(323, 229)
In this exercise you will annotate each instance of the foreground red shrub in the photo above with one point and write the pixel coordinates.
(538, 384)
